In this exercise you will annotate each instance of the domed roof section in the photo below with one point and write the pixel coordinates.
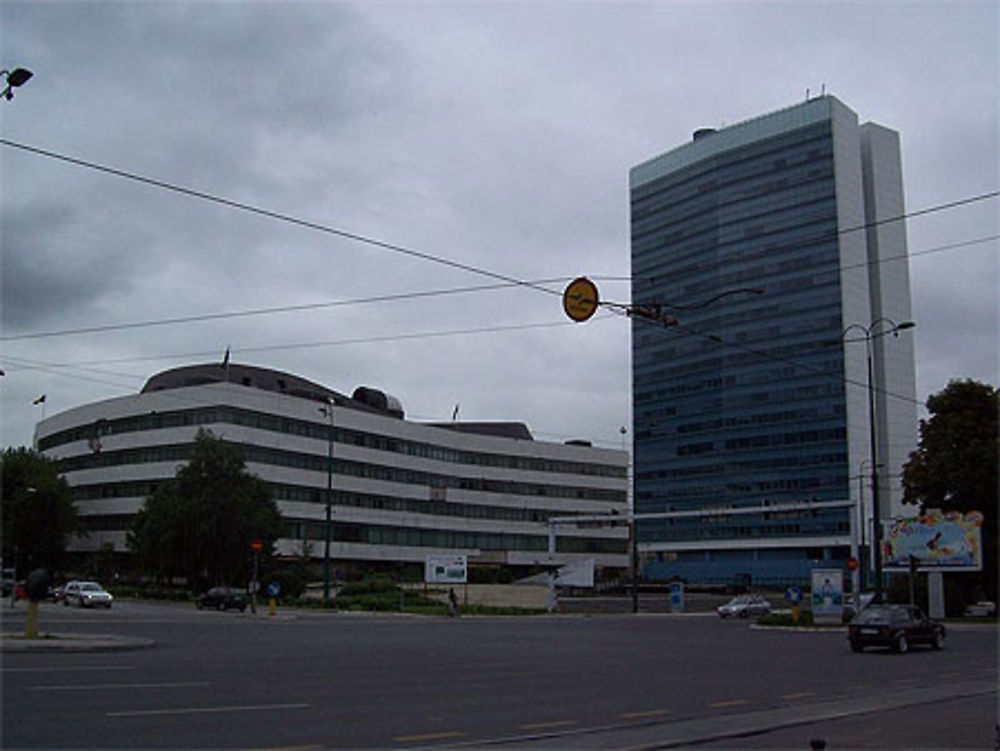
(251, 376)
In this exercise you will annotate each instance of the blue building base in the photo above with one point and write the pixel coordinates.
(758, 568)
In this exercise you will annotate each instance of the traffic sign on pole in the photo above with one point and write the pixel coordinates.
(581, 299)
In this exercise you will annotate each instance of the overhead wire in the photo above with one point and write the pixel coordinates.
(394, 247)
(29, 364)
(276, 215)
(417, 335)
(92, 375)
(404, 250)
(419, 294)
(687, 329)
(873, 262)
(267, 311)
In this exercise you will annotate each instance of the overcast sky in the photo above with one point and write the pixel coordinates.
(496, 136)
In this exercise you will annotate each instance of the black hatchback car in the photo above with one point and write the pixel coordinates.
(222, 598)
(894, 626)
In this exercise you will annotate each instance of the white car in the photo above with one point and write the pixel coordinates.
(87, 595)
(744, 606)
(981, 609)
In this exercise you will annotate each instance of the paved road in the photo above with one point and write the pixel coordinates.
(313, 680)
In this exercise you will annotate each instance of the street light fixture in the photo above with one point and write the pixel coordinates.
(871, 332)
(14, 78)
(328, 411)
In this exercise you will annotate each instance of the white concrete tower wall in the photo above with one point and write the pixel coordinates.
(854, 284)
(889, 274)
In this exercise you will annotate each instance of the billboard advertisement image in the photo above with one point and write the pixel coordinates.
(940, 541)
(446, 569)
(827, 595)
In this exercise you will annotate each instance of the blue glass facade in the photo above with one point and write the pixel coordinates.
(744, 402)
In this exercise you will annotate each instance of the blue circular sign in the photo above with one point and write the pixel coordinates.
(793, 595)
(273, 589)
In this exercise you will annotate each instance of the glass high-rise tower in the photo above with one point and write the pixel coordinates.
(777, 245)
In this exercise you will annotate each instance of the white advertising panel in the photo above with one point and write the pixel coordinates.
(579, 574)
(827, 595)
(446, 569)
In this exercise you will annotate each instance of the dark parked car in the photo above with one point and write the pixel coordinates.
(8, 582)
(222, 598)
(894, 626)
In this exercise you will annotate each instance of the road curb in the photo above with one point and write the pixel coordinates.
(11, 643)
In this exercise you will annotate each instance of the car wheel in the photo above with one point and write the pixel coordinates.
(937, 642)
(221, 606)
(857, 646)
(744, 614)
(901, 645)
(199, 604)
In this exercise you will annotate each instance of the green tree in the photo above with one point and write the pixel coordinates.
(955, 466)
(200, 525)
(38, 513)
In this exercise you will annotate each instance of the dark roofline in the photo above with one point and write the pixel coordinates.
(251, 376)
(516, 430)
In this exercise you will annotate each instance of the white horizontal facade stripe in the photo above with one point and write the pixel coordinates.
(433, 441)
(755, 543)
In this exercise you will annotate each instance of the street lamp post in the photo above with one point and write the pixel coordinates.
(14, 78)
(328, 411)
(862, 522)
(871, 332)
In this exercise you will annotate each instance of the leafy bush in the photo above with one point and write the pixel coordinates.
(380, 597)
(374, 586)
(786, 619)
(291, 583)
(150, 592)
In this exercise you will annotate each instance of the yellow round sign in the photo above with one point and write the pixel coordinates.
(580, 300)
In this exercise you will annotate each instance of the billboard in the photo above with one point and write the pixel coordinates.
(579, 574)
(940, 541)
(446, 569)
(827, 595)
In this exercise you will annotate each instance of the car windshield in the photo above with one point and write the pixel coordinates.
(90, 587)
(875, 615)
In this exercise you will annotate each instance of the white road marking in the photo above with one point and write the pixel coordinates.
(429, 736)
(205, 710)
(648, 713)
(543, 725)
(67, 668)
(105, 686)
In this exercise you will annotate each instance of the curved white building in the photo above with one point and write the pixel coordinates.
(400, 490)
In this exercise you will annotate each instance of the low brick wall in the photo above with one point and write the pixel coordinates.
(494, 595)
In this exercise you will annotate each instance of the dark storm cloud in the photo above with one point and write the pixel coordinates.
(210, 95)
(52, 270)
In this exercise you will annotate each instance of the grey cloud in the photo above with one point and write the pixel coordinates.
(494, 134)
(52, 272)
